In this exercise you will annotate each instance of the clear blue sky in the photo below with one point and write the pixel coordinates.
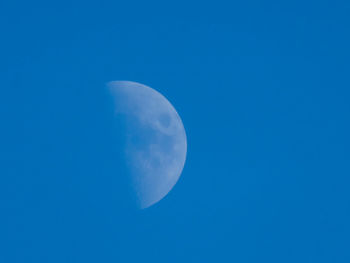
(263, 91)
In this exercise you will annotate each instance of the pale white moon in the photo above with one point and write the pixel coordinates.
(155, 141)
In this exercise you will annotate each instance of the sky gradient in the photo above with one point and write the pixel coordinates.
(262, 88)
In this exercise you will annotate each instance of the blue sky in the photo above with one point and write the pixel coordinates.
(262, 88)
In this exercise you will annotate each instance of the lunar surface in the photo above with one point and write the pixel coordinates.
(155, 140)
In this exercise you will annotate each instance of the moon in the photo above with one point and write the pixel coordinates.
(155, 144)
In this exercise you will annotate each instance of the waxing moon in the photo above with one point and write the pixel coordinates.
(155, 140)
